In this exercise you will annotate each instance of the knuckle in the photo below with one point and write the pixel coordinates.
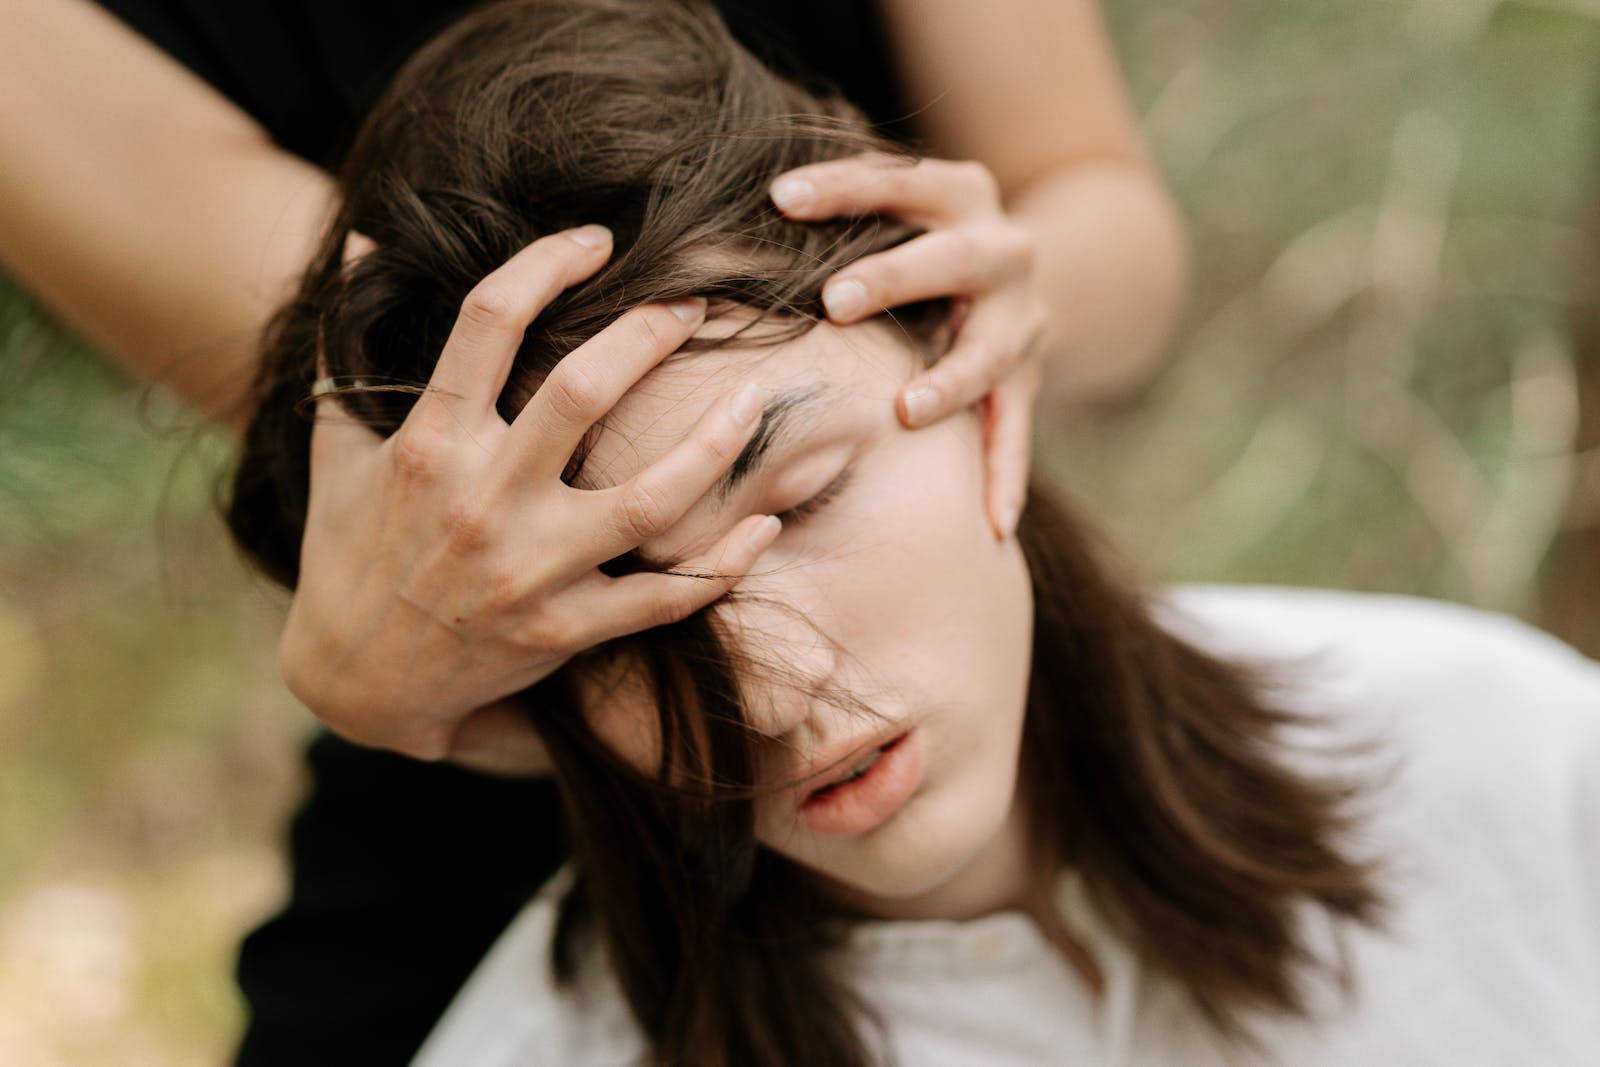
(419, 451)
(652, 329)
(674, 606)
(644, 511)
(467, 527)
(720, 449)
(489, 305)
(499, 588)
(574, 394)
(550, 634)
(665, 612)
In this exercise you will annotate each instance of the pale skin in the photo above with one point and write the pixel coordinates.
(164, 224)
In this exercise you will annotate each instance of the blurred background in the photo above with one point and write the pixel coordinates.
(1389, 382)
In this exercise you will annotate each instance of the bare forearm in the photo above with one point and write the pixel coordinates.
(1113, 266)
(1031, 89)
(141, 206)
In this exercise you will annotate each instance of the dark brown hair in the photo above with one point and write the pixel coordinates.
(1154, 769)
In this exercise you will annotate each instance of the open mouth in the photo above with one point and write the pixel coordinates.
(868, 792)
(860, 769)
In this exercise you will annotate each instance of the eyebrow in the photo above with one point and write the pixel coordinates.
(778, 419)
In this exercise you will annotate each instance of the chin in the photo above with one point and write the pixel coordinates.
(925, 849)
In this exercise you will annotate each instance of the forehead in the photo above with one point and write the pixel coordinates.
(827, 371)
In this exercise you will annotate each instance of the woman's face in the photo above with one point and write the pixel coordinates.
(886, 584)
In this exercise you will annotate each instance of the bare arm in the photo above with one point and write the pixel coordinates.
(164, 223)
(143, 207)
(1031, 89)
(1056, 235)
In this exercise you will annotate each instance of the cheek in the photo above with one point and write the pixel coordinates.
(943, 611)
(939, 590)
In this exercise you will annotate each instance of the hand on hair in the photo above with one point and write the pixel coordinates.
(448, 566)
(972, 252)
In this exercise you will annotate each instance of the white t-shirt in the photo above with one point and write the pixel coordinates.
(1491, 826)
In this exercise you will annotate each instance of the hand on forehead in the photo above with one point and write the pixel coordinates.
(828, 385)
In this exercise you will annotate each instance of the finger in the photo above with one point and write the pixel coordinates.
(499, 740)
(498, 311)
(942, 263)
(337, 439)
(590, 379)
(1007, 454)
(653, 500)
(992, 341)
(639, 602)
(928, 192)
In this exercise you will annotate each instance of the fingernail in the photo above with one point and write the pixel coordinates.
(761, 538)
(921, 404)
(844, 299)
(792, 194)
(689, 308)
(592, 236)
(747, 404)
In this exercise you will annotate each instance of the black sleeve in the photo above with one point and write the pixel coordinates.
(307, 70)
(404, 873)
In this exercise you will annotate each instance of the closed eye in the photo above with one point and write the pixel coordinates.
(797, 515)
(817, 501)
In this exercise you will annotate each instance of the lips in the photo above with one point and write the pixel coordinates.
(844, 764)
(873, 784)
(861, 767)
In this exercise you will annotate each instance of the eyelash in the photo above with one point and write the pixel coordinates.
(810, 506)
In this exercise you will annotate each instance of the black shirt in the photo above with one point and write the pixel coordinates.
(308, 70)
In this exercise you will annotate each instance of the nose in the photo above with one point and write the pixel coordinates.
(786, 662)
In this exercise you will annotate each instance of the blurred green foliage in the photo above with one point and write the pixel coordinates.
(1391, 212)
(146, 748)
(1378, 388)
